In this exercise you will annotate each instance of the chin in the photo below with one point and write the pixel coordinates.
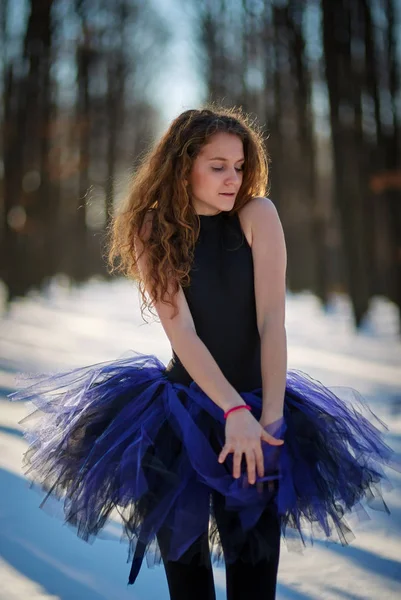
(225, 205)
(228, 207)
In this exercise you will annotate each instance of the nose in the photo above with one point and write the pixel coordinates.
(233, 175)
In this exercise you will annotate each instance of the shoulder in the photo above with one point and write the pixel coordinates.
(258, 216)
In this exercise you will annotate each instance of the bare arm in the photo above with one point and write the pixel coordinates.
(270, 260)
(201, 365)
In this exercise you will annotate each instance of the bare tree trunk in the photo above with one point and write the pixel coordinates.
(115, 107)
(28, 214)
(83, 115)
(4, 7)
(306, 146)
(14, 214)
(340, 80)
(393, 155)
(212, 16)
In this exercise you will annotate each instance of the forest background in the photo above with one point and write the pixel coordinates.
(88, 85)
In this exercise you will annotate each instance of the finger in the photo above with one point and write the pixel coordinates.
(260, 463)
(251, 465)
(224, 453)
(237, 464)
(271, 440)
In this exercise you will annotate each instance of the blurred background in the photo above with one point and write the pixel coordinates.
(88, 84)
(86, 87)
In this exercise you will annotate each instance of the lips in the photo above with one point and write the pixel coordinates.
(227, 193)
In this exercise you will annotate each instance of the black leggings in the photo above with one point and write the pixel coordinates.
(192, 578)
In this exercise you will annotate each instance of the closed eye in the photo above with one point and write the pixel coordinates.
(221, 168)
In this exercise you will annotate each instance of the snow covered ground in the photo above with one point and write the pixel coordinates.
(41, 558)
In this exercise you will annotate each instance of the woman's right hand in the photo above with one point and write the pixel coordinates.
(244, 435)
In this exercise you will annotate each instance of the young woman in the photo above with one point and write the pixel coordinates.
(215, 455)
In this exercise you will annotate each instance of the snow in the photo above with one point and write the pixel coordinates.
(41, 558)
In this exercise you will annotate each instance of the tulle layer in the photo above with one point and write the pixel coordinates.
(121, 436)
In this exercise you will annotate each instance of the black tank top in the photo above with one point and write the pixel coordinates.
(221, 299)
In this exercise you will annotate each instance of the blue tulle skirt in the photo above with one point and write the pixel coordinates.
(120, 436)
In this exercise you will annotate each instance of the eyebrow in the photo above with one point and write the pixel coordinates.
(225, 159)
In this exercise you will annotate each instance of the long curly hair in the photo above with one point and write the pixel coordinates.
(158, 185)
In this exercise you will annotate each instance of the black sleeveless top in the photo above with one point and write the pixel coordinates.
(221, 299)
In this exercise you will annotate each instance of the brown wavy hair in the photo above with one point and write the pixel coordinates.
(158, 185)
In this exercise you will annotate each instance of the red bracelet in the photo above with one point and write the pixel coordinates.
(236, 408)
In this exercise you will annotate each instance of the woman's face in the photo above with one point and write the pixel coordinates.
(216, 174)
